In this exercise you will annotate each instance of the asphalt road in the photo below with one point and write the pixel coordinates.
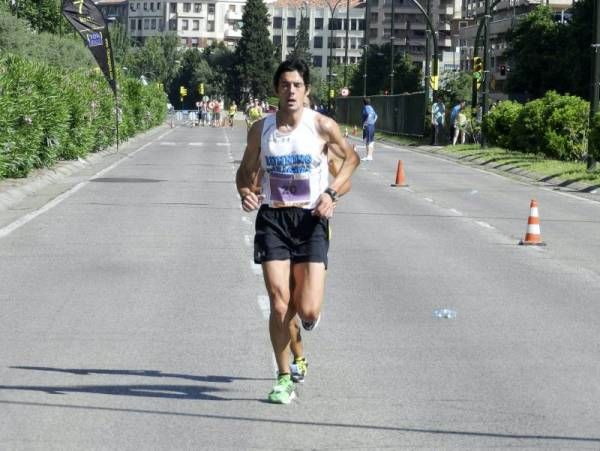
(132, 316)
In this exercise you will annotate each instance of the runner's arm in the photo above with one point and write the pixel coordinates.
(247, 177)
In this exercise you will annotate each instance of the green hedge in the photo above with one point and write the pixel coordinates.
(554, 125)
(49, 114)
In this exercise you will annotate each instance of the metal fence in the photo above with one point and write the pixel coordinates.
(402, 114)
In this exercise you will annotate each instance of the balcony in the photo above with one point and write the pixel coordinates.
(230, 33)
(233, 15)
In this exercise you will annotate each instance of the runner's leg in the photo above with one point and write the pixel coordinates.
(277, 280)
(309, 289)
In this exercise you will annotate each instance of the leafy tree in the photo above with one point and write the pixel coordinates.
(17, 37)
(576, 49)
(121, 42)
(301, 43)
(455, 86)
(536, 54)
(42, 15)
(407, 76)
(255, 52)
(156, 59)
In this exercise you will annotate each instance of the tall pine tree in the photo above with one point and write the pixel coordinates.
(301, 46)
(255, 52)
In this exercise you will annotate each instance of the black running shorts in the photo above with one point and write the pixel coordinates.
(290, 233)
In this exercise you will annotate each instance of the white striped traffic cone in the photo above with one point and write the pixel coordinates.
(533, 236)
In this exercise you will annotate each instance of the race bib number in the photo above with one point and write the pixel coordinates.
(289, 190)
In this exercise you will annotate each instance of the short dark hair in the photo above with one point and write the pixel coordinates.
(291, 65)
(366, 101)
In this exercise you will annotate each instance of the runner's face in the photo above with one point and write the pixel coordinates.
(291, 91)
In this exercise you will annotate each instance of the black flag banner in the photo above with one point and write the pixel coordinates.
(87, 19)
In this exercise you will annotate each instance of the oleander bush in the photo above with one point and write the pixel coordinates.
(499, 122)
(48, 113)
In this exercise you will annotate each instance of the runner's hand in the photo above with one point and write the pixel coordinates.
(325, 206)
(251, 201)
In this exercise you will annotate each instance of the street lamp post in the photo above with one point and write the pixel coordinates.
(392, 51)
(346, 50)
(330, 61)
(366, 48)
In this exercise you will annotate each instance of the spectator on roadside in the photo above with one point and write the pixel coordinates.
(460, 128)
(369, 117)
(438, 115)
(454, 115)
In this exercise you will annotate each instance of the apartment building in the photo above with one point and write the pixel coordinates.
(114, 10)
(410, 29)
(505, 15)
(327, 29)
(197, 23)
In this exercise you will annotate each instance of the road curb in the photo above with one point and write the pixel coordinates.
(13, 191)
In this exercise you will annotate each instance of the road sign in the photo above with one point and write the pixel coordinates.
(345, 92)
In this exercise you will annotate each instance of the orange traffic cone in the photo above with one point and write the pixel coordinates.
(400, 182)
(533, 237)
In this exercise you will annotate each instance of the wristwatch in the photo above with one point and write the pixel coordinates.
(332, 193)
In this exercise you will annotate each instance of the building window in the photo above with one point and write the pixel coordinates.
(318, 23)
(291, 23)
(183, 42)
(132, 25)
(151, 6)
(146, 24)
(172, 7)
(195, 43)
(153, 24)
(374, 17)
(211, 8)
(277, 22)
(210, 25)
(317, 61)
(277, 41)
(195, 25)
(173, 25)
(145, 6)
(184, 25)
(232, 8)
(131, 7)
(187, 7)
(318, 42)
(197, 7)
(290, 41)
(139, 24)
(158, 6)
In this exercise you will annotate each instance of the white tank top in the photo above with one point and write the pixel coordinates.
(295, 170)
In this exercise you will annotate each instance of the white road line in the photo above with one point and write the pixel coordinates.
(454, 210)
(264, 305)
(473, 192)
(223, 144)
(195, 144)
(165, 134)
(485, 224)
(168, 143)
(256, 269)
(8, 229)
(428, 199)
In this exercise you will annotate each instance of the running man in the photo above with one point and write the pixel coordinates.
(286, 154)
(254, 113)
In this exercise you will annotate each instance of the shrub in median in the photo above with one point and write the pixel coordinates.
(499, 122)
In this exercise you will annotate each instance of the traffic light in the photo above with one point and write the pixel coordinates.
(478, 70)
(331, 93)
(503, 70)
(434, 81)
(182, 91)
(201, 89)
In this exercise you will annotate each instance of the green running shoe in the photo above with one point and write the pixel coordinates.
(283, 391)
(299, 369)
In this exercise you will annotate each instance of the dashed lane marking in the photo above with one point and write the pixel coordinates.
(485, 224)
